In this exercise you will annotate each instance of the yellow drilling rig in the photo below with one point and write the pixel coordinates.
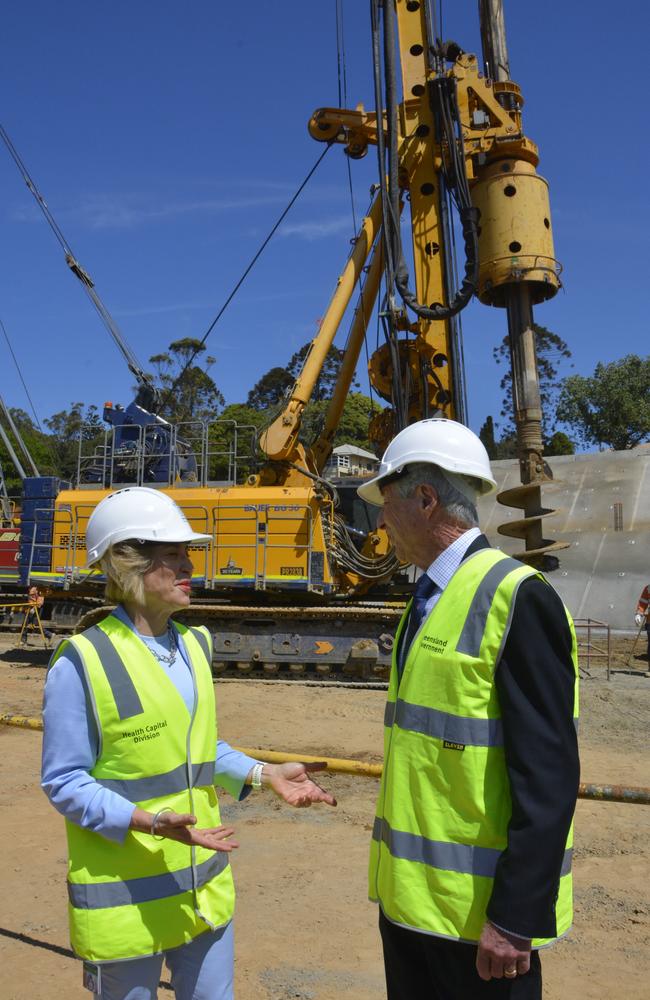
(290, 585)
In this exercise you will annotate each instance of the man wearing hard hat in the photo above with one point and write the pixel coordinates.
(471, 849)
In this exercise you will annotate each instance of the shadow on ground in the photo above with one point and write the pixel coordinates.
(28, 656)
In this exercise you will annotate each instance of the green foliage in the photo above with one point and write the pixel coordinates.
(559, 444)
(244, 415)
(328, 374)
(357, 413)
(505, 447)
(353, 425)
(271, 389)
(37, 444)
(68, 427)
(188, 392)
(486, 435)
(193, 396)
(551, 350)
(234, 452)
(610, 407)
(352, 429)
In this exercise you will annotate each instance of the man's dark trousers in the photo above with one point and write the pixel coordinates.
(425, 967)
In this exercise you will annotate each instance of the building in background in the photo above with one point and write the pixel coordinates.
(348, 460)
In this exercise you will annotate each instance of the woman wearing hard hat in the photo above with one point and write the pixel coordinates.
(131, 760)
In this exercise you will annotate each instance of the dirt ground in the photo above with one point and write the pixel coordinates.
(304, 928)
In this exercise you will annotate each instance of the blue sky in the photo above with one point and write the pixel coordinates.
(167, 138)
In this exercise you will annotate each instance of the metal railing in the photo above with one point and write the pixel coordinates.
(201, 453)
(251, 517)
(74, 544)
(65, 541)
(588, 649)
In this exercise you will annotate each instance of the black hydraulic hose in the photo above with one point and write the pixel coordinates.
(398, 400)
(469, 221)
(249, 267)
(390, 83)
(444, 103)
(381, 150)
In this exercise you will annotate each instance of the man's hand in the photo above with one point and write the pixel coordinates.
(501, 954)
(638, 618)
(182, 827)
(292, 783)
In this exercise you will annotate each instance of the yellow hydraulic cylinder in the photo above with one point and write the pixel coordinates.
(515, 235)
(279, 439)
(322, 448)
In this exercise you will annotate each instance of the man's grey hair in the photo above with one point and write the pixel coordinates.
(451, 499)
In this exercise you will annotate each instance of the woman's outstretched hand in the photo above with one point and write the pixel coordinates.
(182, 827)
(292, 783)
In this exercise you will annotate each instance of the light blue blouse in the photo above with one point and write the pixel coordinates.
(71, 744)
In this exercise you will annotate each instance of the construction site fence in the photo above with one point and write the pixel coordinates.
(594, 644)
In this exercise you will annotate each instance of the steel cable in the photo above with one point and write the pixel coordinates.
(247, 271)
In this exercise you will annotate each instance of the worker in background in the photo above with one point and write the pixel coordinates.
(36, 602)
(641, 617)
(35, 597)
(471, 848)
(131, 760)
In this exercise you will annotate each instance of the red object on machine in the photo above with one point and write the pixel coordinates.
(9, 545)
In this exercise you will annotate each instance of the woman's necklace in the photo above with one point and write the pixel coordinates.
(166, 658)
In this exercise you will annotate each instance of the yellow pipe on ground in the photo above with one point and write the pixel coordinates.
(21, 720)
(335, 764)
(338, 765)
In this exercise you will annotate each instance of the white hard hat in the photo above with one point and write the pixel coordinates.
(136, 512)
(438, 441)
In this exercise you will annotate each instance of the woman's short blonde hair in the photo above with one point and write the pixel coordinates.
(124, 565)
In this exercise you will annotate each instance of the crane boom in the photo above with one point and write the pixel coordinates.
(19, 438)
(147, 394)
(280, 438)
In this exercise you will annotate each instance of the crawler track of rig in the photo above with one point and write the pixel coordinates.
(336, 642)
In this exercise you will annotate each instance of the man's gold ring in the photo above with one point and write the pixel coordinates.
(510, 973)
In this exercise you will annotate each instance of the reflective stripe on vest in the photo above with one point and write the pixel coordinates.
(474, 628)
(444, 804)
(126, 697)
(462, 858)
(444, 725)
(141, 789)
(156, 754)
(203, 642)
(142, 890)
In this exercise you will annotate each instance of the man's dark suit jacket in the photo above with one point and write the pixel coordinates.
(535, 683)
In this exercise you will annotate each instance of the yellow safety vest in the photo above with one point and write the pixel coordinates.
(444, 803)
(145, 895)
